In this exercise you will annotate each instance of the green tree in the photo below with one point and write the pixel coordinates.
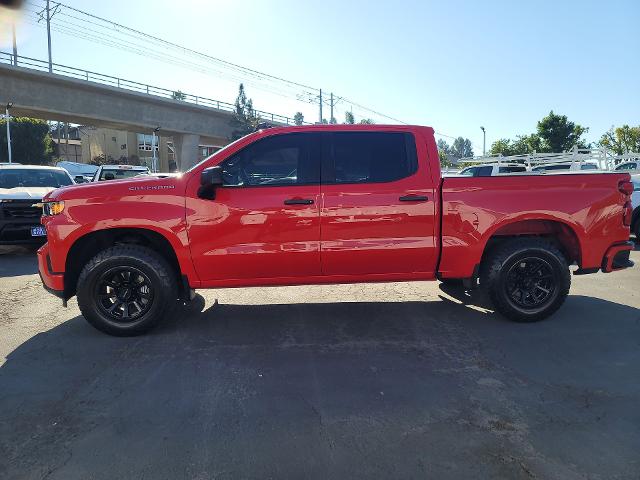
(444, 153)
(461, 148)
(30, 141)
(554, 133)
(367, 121)
(521, 145)
(244, 119)
(348, 118)
(298, 118)
(178, 95)
(622, 139)
(558, 134)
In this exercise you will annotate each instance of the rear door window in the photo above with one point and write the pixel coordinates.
(371, 157)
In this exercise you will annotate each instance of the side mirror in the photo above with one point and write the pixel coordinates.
(210, 179)
(78, 179)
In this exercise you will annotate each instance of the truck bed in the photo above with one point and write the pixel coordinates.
(583, 208)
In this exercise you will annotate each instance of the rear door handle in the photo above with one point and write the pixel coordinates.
(414, 198)
(298, 201)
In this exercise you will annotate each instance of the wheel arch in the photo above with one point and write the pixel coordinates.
(90, 244)
(560, 232)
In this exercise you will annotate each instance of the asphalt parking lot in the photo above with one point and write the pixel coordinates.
(360, 381)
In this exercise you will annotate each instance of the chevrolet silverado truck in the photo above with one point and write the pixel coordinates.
(328, 204)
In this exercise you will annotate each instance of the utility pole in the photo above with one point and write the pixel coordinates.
(320, 120)
(49, 36)
(484, 141)
(47, 14)
(8, 119)
(331, 118)
(15, 46)
(332, 103)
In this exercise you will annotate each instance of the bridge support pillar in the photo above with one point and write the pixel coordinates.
(186, 147)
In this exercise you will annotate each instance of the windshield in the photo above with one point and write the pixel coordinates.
(32, 177)
(113, 174)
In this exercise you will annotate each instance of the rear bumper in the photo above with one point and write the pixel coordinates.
(53, 282)
(617, 257)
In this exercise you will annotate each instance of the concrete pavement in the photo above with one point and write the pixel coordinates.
(359, 381)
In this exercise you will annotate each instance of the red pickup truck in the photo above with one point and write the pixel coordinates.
(328, 204)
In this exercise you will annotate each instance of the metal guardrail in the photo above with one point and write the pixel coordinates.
(125, 84)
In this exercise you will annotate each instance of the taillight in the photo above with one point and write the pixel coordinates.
(626, 187)
(627, 213)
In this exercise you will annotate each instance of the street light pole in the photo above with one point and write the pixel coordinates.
(8, 119)
(484, 141)
(154, 162)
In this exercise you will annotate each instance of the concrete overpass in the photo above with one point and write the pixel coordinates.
(58, 97)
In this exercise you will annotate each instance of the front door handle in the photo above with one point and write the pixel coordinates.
(414, 198)
(298, 201)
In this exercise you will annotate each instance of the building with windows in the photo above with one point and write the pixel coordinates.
(108, 145)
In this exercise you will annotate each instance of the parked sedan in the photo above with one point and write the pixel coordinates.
(21, 188)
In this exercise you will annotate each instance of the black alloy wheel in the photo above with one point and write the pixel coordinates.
(124, 293)
(531, 283)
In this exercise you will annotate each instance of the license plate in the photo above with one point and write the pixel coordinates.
(38, 232)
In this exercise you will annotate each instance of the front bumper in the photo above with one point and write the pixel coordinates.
(17, 217)
(19, 233)
(617, 257)
(53, 282)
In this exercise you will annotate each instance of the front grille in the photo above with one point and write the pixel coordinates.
(21, 210)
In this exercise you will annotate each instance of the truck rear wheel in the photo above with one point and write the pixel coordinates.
(527, 279)
(126, 290)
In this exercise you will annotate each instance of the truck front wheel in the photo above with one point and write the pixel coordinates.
(126, 290)
(527, 279)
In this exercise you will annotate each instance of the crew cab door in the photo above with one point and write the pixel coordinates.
(264, 221)
(378, 215)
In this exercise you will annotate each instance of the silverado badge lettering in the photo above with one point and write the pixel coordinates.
(153, 187)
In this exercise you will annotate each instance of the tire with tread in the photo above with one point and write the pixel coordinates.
(494, 270)
(146, 260)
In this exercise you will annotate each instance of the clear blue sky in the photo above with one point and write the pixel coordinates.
(453, 65)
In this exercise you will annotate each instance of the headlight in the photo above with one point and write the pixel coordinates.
(52, 208)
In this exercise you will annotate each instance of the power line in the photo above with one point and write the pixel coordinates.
(98, 36)
(186, 49)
